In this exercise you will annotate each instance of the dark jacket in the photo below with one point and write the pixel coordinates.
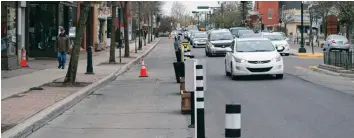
(63, 43)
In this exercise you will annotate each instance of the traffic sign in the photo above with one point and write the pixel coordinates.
(203, 7)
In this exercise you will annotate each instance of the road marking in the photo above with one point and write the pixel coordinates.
(299, 67)
(312, 67)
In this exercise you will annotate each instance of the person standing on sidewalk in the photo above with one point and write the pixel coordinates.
(62, 47)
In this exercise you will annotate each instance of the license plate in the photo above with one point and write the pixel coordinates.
(340, 42)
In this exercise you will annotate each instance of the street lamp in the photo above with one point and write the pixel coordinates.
(197, 13)
(302, 48)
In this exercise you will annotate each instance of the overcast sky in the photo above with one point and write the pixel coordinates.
(190, 5)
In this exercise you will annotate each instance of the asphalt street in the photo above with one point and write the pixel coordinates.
(288, 108)
(133, 107)
(129, 107)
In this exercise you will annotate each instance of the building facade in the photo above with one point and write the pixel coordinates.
(269, 11)
(13, 37)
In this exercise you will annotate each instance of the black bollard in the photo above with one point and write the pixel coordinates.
(233, 121)
(200, 101)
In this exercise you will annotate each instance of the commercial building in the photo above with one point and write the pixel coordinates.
(13, 35)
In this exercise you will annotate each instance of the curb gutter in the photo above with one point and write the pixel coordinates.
(309, 54)
(38, 120)
(316, 69)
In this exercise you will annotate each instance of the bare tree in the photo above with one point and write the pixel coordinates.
(112, 51)
(124, 6)
(178, 10)
(322, 9)
(346, 15)
(74, 60)
(230, 5)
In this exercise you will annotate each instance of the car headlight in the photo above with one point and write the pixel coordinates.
(211, 45)
(277, 59)
(239, 60)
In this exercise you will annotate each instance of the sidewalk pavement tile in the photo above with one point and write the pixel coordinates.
(18, 84)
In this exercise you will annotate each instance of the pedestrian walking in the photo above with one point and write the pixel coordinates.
(145, 34)
(62, 47)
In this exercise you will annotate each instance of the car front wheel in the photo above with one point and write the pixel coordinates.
(226, 72)
(233, 77)
(279, 76)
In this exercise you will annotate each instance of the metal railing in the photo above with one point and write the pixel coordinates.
(339, 59)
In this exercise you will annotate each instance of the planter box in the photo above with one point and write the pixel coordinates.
(185, 103)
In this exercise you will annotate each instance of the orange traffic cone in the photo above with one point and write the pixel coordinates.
(23, 60)
(143, 71)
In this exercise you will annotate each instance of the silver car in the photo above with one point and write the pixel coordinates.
(199, 39)
(336, 42)
(218, 40)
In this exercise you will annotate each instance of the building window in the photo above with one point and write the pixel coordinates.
(270, 14)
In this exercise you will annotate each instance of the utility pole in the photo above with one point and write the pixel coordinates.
(243, 13)
(222, 14)
(302, 48)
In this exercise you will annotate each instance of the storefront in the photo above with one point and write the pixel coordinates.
(9, 47)
(45, 18)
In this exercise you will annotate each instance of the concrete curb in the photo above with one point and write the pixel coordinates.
(309, 54)
(328, 72)
(38, 120)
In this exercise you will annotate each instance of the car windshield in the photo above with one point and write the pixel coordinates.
(251, 36)
(254, 46)
(274, 37)
(234, 31)
(220, 36)
(246, 32)
(200, 35)
(339, 37)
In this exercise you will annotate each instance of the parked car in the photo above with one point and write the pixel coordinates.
(218, 40)
(199, 39)
(336, 42)
(278, 41)
(253, 56)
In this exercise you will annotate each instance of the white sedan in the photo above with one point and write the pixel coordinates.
(253, 56)
(278, 40)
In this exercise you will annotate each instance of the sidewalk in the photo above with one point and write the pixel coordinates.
(294, 48)
(128, 107)
(46, 71)
(25, 111)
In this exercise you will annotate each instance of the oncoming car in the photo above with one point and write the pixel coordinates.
(199, 39)
(250, 36)
(218, 40)
(253, 56)
(278, 41)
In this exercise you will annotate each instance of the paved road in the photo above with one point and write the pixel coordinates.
(149, 107)
(288, 108)
(129, 107)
